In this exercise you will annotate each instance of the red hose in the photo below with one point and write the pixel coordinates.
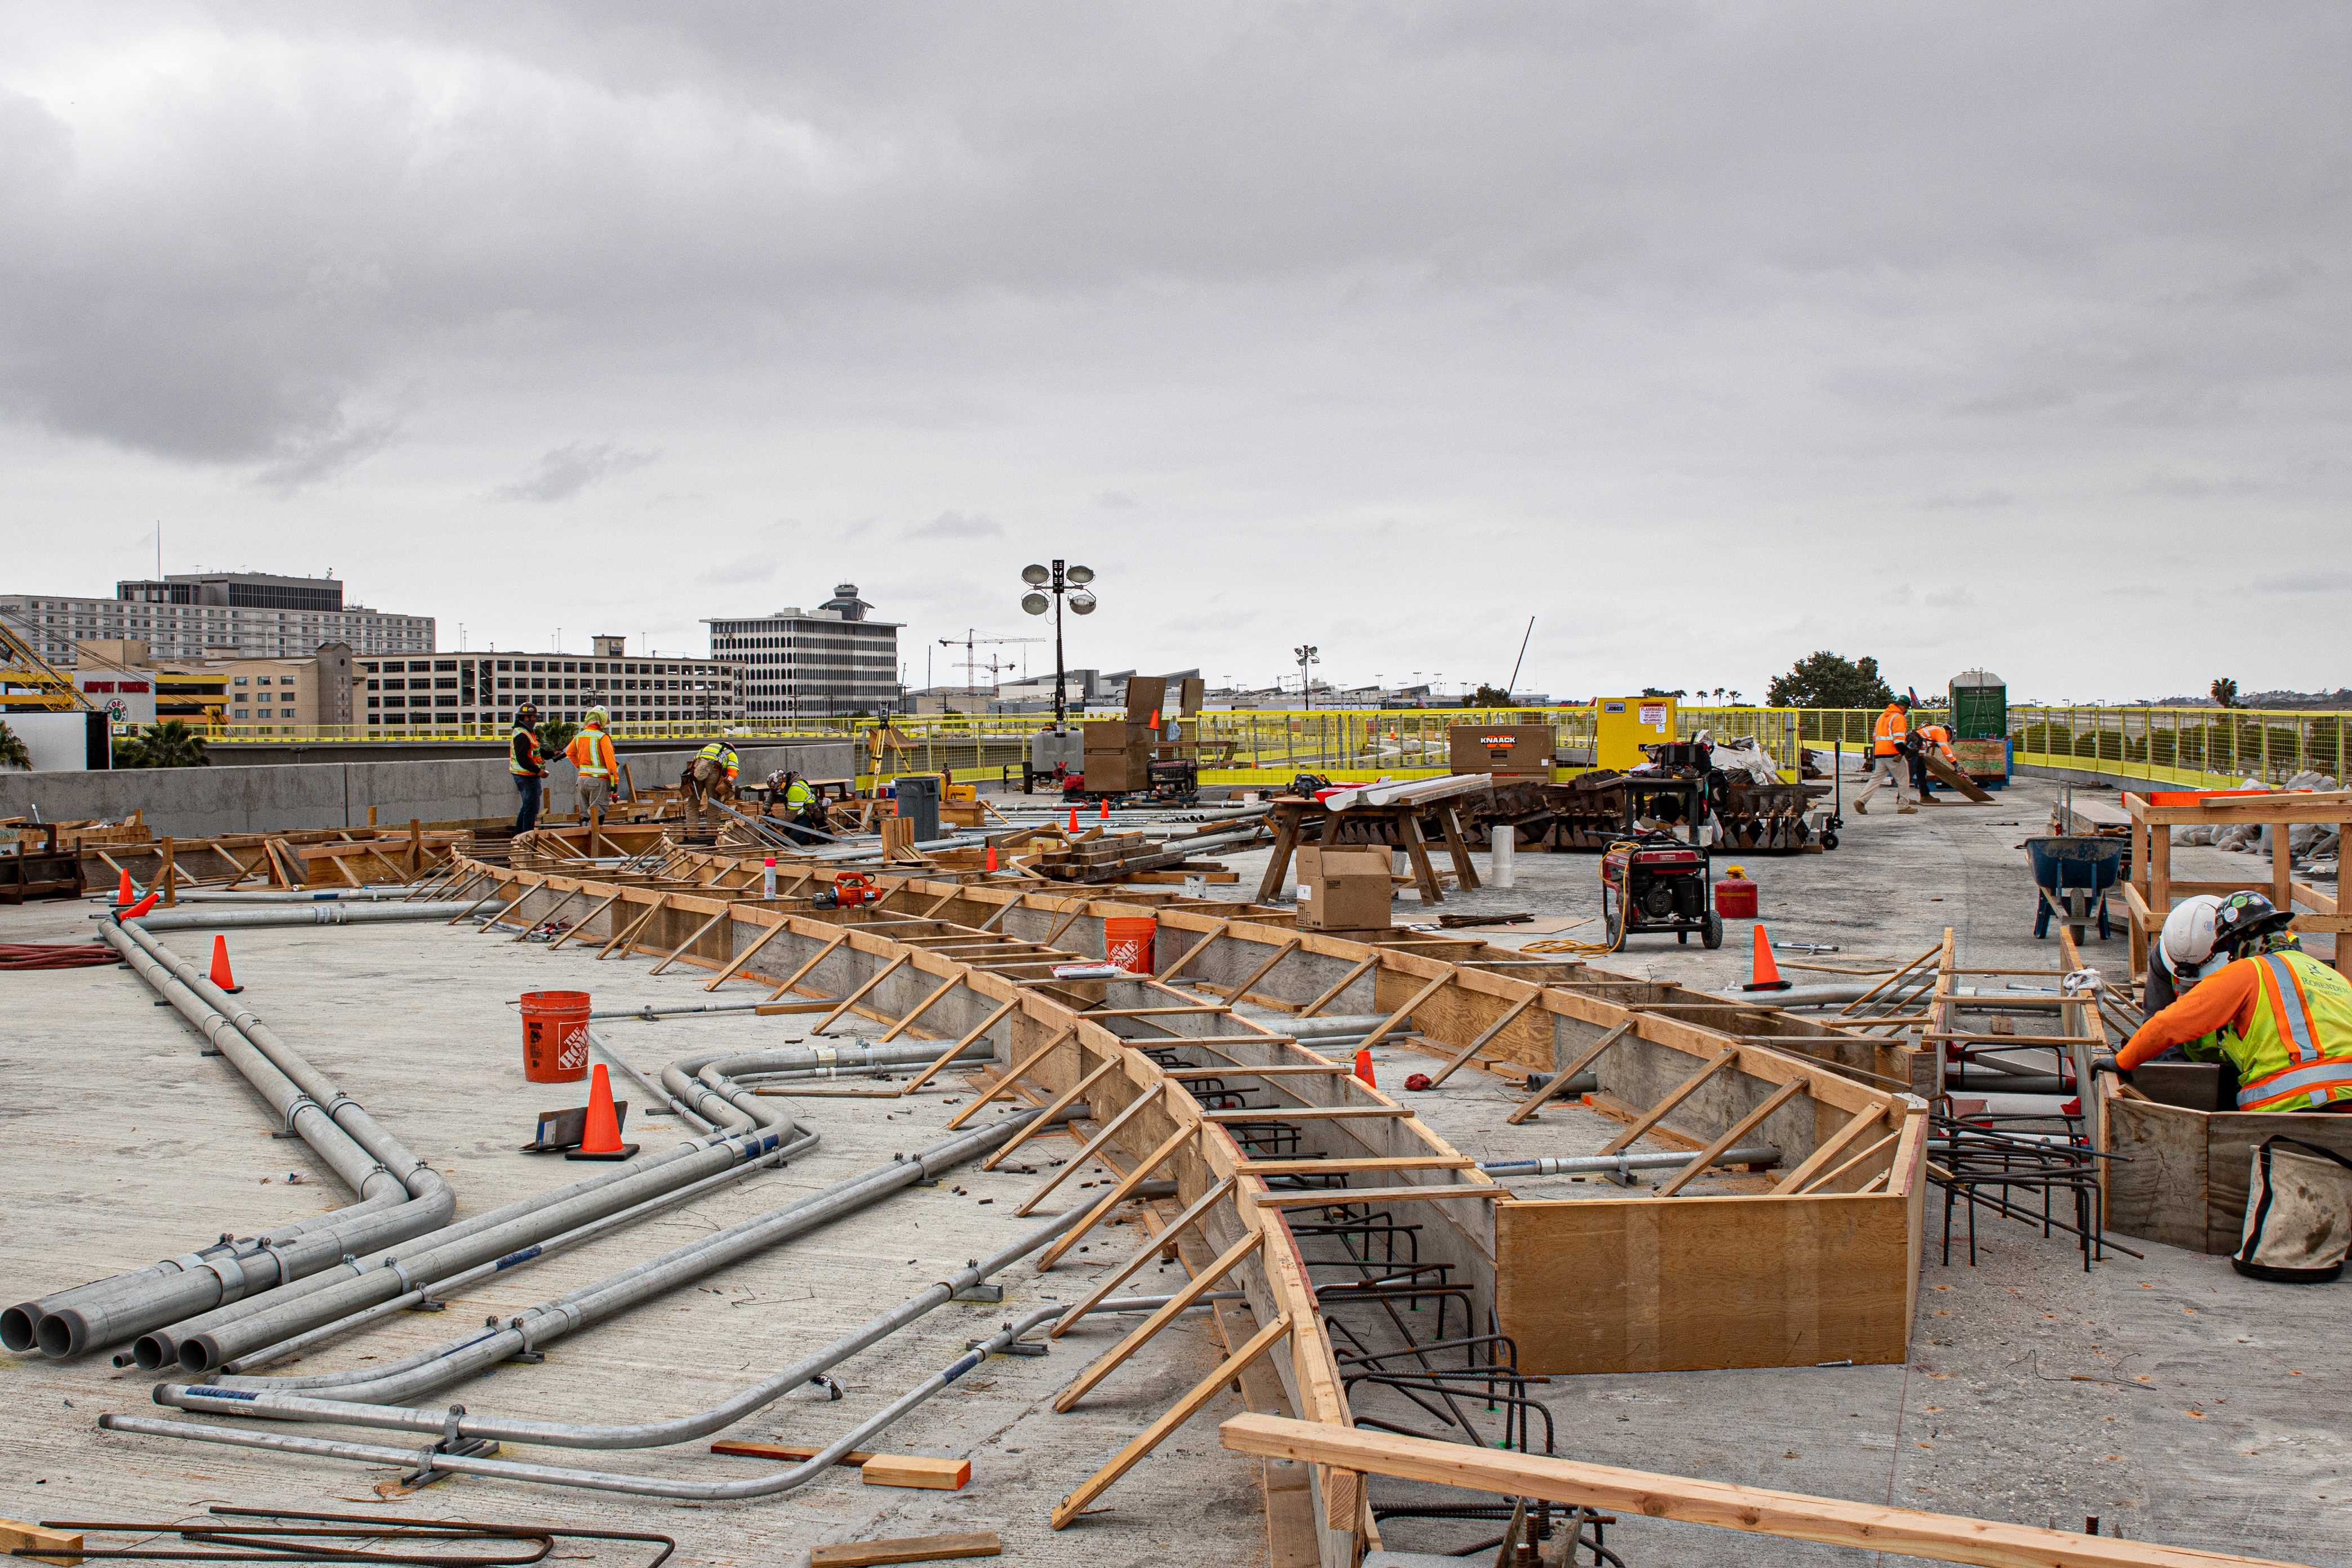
(55, 955)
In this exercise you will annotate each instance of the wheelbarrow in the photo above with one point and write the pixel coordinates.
(2073, 875)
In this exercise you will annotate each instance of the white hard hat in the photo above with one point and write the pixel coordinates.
(2187, 940)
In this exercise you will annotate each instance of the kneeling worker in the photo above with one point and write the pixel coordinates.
(2282, 1018)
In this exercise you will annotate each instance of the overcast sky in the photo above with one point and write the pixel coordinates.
(2012, 336)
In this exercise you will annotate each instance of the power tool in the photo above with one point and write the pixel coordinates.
(849, 889)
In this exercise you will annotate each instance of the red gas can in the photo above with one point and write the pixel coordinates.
(1735, 898)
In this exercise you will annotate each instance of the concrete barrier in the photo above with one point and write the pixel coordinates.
(198, 803)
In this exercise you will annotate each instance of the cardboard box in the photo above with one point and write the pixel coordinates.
(1346, 888)
(1520, 750)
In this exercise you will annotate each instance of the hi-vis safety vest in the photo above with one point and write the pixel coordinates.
(1887, 735)
(592, 749)
(799, 794)
(522, 753)
(722, 755)
(2297, 1053)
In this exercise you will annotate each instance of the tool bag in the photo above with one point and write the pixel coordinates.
(2298, 1214)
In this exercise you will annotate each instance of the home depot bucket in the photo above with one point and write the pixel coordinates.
(1127, 941)
(555, 1036)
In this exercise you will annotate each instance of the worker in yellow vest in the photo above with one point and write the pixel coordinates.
(528, 766)
(591, 752)
(710, 775)
(1889, 739)
(2283, 1018)
(804, 809)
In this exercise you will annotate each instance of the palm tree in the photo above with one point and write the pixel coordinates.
(171, 744)
(2225, 693)
(12, 753)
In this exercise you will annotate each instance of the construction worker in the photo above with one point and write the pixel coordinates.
(2281, 1020)
(528, 766)
(1930, 737)
(804, 808)
(591, 752)
(709, 776)
(1888, 739)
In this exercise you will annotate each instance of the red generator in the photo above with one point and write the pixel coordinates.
(1652, 882)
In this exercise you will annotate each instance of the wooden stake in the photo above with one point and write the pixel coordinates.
(744, 957)
(1345, 981)
(1176, 966)
(1166, 1313)
(626, 938)
(940, 1064)
(1118, 1194)
(1144, 1254)
(1559, 1080)
(1492, 1030)
(1675, 1096)
(1827, 1150)
(591, 915)
(1405, 1012)
(796, 977)
(1052, 1108)
(1731, 1135)
(852, 1000)
(1006, 1083)
(949, 983)
(671, 957)
(1152, 1436)
(1087, 1151)
(1239, 992)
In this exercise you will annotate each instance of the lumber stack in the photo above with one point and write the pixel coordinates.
(1114, 860)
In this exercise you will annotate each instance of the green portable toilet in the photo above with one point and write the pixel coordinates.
(1980, 702)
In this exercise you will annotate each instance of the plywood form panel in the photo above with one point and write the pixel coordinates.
(1685, 1284)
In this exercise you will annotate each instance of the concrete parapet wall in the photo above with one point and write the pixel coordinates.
(197, 803)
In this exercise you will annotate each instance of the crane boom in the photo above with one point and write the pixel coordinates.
(29, 681)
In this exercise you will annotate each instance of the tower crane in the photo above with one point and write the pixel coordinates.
(972, 665)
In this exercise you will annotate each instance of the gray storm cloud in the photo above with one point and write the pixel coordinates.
(1807, 299)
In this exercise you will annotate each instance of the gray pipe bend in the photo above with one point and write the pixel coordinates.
(394, 1204)
(237, 1400)
(617, 1292)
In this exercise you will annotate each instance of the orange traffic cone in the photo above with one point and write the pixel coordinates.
(601, 1140)
(222, 976)
(1768, 973)
(1364, 1066)
(1074, 828)
(991, 857)
(141, 907)
(1106, 810)
(124, 891)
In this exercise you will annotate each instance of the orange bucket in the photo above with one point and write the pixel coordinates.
(1127, 941)
(555, 1036)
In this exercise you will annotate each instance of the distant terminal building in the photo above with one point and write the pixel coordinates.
(797, 664)
(200, 615)
(444, 690)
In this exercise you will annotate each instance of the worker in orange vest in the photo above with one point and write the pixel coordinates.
(1935, 738)
(591, 752)
(1889, 739)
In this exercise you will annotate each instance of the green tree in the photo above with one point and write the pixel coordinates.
(1488, 696)
(12, 753)
(130, 751)
(170, 744)
(1660, 692)
(555, 734)
(2225, 692)
(1826, 679)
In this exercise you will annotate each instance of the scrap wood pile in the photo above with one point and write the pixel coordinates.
(1588, 811)
(1124, 856)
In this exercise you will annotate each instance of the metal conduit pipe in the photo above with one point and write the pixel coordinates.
(454, 1420)
(292, 895)
(1621, 1164)
(305, 914)
(75, 1320)
(627, 1288)
(203, 1342)
(527, 1256)
(158, 1302)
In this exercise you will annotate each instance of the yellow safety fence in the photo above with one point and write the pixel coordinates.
(2193, 748)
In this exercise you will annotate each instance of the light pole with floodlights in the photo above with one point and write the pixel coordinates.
(1059, 582)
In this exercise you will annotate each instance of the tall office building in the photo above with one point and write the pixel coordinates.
(797, 664)
(190, 614)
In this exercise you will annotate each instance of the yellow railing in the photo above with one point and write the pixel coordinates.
(2188, 747)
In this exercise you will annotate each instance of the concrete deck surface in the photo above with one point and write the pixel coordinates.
(2166, 1394)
